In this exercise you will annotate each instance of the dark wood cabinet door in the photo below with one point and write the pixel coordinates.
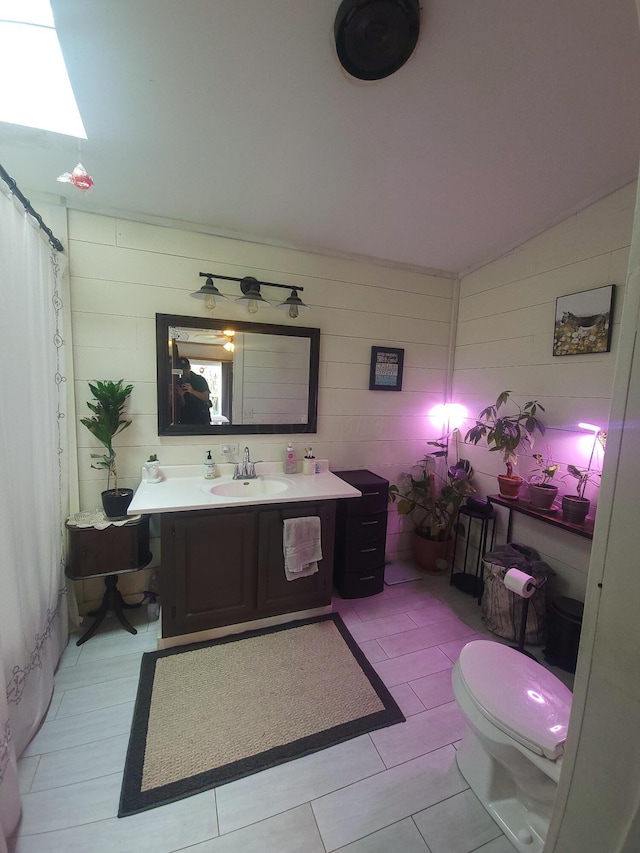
(213, 570)
(276, 594)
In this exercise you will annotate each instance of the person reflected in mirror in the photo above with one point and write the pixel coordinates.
(194, 397)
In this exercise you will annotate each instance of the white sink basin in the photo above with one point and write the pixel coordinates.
(260, 487)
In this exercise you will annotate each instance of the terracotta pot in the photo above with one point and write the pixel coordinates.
(116, 505)
(575, 509)
(432, 557)
(542, 495)
(509, 486)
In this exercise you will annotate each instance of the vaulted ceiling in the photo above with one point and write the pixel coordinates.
(236, 116)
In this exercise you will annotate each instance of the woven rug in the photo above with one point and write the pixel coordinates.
(210, 713)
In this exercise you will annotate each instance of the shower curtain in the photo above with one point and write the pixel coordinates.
(33, 494)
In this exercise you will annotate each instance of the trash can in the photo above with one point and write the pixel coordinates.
(565, 624)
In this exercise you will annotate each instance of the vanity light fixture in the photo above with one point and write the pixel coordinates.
(209, 292)
(293, 304)
(251, 294)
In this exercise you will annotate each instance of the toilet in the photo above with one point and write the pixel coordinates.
(511, 754)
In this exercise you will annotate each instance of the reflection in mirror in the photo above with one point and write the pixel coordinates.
(230, 377)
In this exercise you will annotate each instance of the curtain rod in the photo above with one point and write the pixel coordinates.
(24, 201)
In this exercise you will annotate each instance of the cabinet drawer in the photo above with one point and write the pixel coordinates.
(361, 584)
(366, 529)
(374, 490)
(94, 552)
(361, 557)
(374, 499)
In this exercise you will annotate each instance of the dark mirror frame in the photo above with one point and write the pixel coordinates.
(166, 427)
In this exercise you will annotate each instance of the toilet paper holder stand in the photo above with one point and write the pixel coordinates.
(538, 583)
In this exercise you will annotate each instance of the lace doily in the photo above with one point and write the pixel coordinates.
(96, 518)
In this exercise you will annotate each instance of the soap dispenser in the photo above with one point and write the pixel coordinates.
(290, 461)
(209, 467)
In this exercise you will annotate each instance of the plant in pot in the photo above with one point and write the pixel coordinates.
(105, 423)
(575, 508)
(542, 492)
(506, 434)
(432, 501)
(152, 467)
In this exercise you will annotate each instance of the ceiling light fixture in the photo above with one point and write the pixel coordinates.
(251, 294)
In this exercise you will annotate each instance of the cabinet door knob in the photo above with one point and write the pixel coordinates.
(366, 523)
(367, 578)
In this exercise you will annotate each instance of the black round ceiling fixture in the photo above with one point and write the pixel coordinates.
(374, 38)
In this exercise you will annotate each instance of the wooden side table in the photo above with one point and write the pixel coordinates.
(108, 553)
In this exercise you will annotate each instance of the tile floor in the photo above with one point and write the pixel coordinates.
(394, 789)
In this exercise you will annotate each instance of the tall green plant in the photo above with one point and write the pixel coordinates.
(432, 500)
(507, 433)
(106, 422)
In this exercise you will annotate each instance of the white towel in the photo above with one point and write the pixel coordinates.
(301, 546)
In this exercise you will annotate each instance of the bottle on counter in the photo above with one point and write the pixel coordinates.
(290, 460)
(209, 467)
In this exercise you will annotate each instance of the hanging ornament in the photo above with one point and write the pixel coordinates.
(79, 178)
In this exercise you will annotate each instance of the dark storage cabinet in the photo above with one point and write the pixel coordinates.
(361, 536)
(227, 567)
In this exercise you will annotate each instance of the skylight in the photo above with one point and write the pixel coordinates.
(39, 93)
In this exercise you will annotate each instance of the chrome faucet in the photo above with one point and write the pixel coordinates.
(246, 471)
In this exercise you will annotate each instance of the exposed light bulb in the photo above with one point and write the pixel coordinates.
(210, 301)
(252, 306)
(293, 311)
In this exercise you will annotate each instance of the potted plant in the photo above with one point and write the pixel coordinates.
(105, 423)
(542, 492)
(506, 434)
(433, 501)
(575, 508)
(152, 467)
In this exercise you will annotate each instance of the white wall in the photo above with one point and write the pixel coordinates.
(598, 803)
(123, 272)
(504, 342)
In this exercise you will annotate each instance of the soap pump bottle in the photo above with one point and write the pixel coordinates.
(209, 467)
(290, 461)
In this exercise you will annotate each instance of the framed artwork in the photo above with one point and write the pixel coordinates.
(584, 321)
(386, 369)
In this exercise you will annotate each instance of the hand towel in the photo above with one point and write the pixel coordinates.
(301, 546)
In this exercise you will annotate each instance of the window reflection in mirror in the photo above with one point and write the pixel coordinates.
(232, 377)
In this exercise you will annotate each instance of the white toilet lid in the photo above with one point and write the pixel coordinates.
(518, 695)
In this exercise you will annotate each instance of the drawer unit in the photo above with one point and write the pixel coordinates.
(361, 536)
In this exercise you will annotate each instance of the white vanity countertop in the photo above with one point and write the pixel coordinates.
(183, 487)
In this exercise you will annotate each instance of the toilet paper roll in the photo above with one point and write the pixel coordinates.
(520, 582)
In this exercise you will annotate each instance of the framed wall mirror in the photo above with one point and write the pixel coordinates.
(227, 377)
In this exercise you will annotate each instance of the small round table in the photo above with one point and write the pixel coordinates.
(94, 553)
(473, 584)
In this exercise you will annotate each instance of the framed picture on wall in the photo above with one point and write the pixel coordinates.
(386, 369)
(584, 321)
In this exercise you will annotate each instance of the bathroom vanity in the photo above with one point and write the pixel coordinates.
(222, 547)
